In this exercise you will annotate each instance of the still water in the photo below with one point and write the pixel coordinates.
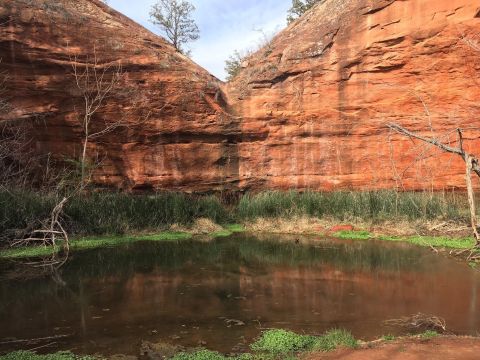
(220, 294)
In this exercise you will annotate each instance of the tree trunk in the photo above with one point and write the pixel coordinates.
(471, 199)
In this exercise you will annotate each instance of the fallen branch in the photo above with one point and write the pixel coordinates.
(419, 322)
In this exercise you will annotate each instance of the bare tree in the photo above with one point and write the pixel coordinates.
(96, 82)
(471, 162)
(174, 17)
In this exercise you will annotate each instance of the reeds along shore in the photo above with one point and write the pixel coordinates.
(119, 213)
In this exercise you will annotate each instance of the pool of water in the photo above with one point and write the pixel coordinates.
(221, 294)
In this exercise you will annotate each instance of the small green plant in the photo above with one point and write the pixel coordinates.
(334, 339)
(278, 341)
(388, 337)
(199, 355)
(29, 355)
(353, 235)
(429, 334)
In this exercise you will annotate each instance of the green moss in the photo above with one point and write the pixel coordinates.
(27, 252)
(436, 241)
(287, 342)
(92, 243)
(28, 355)
(235, 228)
(425, 241)
(199, 355)
(388, 337)
(429, 334)
(334, 339)
(463, 243)
(353, 235)
(279, 341)
(228, 230)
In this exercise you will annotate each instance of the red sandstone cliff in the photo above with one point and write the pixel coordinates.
(321, 93)
(310, 109)
(184, 136)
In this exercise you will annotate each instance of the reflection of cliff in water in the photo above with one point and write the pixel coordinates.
(190, 292)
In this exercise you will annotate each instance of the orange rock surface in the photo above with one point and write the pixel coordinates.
(307, 111)
(179, 136)
(323, 91)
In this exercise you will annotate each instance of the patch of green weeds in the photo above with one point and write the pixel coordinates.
(287, 342)
(463, 243)
(353, 235)
(429, 334)
(91, 243)
(278, 341)
(334, 339)
(388, 337)
(199, 355)
(29, 355)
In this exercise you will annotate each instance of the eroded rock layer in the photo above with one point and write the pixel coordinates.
(175, 134)
(310, 110)
(320, 95)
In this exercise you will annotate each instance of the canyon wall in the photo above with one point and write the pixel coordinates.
(175, 133)
(309, 110)
(323, 91)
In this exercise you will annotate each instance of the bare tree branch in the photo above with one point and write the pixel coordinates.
(472, 164)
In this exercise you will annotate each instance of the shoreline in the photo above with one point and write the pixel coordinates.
(205, 230)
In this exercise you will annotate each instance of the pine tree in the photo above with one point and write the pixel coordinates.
(174, 17)
(299, 7)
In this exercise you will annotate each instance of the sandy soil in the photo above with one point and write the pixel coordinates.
(441, 348)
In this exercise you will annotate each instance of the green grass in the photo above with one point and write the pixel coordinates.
(105, 213)
(278, 344)
(279, 341)
(429, 334)
(388, 337)
(92, 243)
(334, 339)
(425, 241)
(353, 235)
(28, 355)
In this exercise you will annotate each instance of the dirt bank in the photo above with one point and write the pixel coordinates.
(441, 348)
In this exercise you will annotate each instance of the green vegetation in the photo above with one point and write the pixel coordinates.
(28, 355)
(299, 7)
(92, 243)
(429, 334)
(353, 235)
(279, 344)
(388, 337)
(425, 241)
(114, 214)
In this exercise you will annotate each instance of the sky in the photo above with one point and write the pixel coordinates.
(225, 26)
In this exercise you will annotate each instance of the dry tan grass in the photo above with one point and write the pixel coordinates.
(199, 227)
(400, 227)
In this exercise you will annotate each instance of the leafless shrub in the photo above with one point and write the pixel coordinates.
(419, 322)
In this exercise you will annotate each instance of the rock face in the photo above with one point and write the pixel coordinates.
(178, 135)
(308, 111)
(319, 96)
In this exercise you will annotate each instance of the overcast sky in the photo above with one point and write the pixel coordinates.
(225, 25)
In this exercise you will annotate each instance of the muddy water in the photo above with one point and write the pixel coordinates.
(220, 294)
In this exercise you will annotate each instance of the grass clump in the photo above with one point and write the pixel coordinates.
(199, 355)
(91, 243)
(278, 341)
(29, 355)
(287, 342)
(334, 339)
(429, 334)
(353, 235)
(388, 337)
